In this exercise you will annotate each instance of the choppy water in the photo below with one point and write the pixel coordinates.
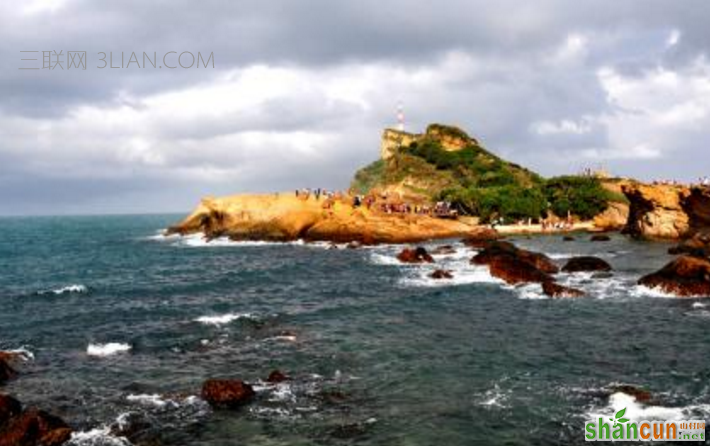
(124, 324)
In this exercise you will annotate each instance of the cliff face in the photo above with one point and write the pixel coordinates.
(450, 138)
(666, 211)
(285, 217)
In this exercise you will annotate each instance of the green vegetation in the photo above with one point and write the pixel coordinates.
(584, 197)
(368, 177)
(479, 183)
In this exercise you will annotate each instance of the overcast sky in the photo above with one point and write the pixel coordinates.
(301, 90)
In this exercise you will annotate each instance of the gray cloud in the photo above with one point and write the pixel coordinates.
(301, 90)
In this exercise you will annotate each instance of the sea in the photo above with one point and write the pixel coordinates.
(119, 326)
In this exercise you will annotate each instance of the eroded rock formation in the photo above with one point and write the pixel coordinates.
(285, 217)
(666, 211)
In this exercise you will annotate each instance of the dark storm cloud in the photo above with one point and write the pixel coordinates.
(553, 84)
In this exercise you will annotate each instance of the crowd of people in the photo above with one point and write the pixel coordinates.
(702, 181)
(546, 224)
(385, 203)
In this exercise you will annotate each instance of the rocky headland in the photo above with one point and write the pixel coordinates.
(394, 200)
(287, 217)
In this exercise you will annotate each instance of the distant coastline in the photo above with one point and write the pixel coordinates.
(443, 184)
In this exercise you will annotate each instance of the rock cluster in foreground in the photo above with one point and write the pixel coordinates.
(29, 427)
(519, 266)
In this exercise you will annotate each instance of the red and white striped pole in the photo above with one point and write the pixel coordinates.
(400, 117)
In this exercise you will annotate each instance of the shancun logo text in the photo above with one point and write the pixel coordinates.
(620, 428)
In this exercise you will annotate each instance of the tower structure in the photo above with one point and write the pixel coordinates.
(400, 117)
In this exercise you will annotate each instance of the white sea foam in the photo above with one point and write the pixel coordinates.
(199, 240)
(151, 400)
(109, 349)
(494, 398)
(23, 353)
(699, 305)
(97, 437)
(644, 291)
(79, 289)
(383, 259)
(636, 411)
(223, 319)
(462, 275)
(530, 291)
(282, 392)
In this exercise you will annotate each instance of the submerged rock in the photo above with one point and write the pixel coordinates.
(276, 377)
(34, 427)
(558, 291)
(444, 250)
(227, 393)
(417, 255)
(696, 246)
(568, 238)
(600, 238)
(586, 263)
(441, 274)
(686, 276)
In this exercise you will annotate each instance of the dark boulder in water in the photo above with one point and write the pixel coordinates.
(441, 274)
(417, 255)
(9, 408)
(515, 271)
(276, 377)
(137, 428)
(227, 393)
(686, 276)
(506, 250)
(6, 371)
(586, 263)
(35, 428)
(696, 246)
(568, 238)
(600, 238)
(558, 291)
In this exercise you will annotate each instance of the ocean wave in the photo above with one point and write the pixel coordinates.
(69, 289)
(384, 259)
(494, 398)
(158, 401)
(637, 411)
(462, 275)
(223, 319)
(530, 291)
(109, 349)
(644, 291)
(23, 353)
(154, 400)
(97, 437)
(199, 240)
